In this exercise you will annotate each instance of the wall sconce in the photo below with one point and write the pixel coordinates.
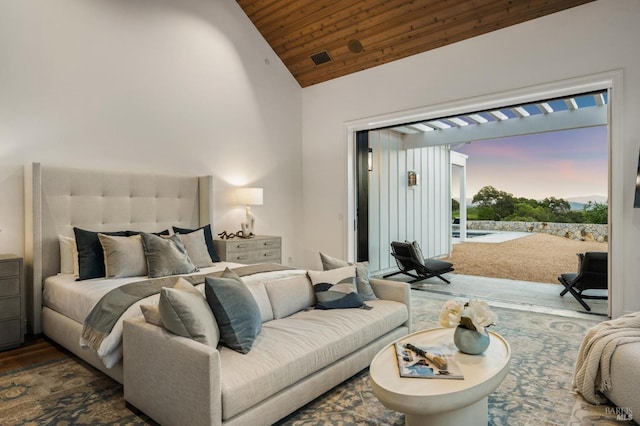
(249, 197)
(413, 179)
(370, 159)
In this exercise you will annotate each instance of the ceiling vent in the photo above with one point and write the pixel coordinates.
(321, 58)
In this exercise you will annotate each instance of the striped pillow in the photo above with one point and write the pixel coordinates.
(336, 289)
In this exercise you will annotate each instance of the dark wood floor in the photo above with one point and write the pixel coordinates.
(34, 351)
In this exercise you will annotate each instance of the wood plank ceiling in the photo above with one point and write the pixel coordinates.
(360, 34)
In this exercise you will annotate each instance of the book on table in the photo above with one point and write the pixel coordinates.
(426, 362)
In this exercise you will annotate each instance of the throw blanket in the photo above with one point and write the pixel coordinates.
(592, 373)
(106, 312)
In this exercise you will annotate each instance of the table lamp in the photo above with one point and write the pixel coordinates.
(249, 197)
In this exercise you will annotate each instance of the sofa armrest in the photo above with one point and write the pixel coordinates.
(170, 378)
(394, 290)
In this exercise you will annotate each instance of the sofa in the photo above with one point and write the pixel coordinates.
(625, 381)
(300, 353)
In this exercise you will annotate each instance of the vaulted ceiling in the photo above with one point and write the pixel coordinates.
(319, 40)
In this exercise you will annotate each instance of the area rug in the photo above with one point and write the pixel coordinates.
(537, 390)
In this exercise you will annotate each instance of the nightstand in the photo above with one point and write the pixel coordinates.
(259, 249)
(11, 301)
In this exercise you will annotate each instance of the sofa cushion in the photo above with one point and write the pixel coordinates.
(185, 312)
(259, 292)
(363, 285)
(289, 349)
(335, 289)
(235, 309)
(290, 295)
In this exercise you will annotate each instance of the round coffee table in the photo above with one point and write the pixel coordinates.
(441, 401)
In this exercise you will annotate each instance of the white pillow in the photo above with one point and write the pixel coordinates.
(68, 255)
(290, 295)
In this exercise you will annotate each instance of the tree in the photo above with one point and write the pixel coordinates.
(595, 212)
(496, 204)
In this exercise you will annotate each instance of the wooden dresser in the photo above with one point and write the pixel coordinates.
(12, 315)
(259, 249)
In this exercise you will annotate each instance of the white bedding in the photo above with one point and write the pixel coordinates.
(75, 299)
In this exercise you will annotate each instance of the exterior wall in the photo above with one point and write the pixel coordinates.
(574, 231)
(398, 212)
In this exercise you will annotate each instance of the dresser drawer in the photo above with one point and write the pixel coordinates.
(9, 286)
(10, 332)
(9, 307)
(10, 268)
(270, 256)
(268, 243)
(241, 246)
(240, 257)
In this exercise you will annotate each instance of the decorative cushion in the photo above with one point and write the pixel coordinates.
(68, 255)
(363, 285)
(196, 247)
(151, 314)
(290, 295)
(335, 289)
(207, 237)
(235, 310)
(166, 256)
(185, 312)
(90, 254)
(123, 256)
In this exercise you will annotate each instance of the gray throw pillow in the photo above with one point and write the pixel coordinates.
(166, 256)
(151, 314)
(123, 256)
(363, 285)
(185, 312)
(235, 310)
(196, 247)
(335, 289)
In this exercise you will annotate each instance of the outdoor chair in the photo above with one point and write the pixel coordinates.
(411, 262)
(592, 275)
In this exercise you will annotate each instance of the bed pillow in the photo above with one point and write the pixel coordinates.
(207, 237)
(197, 248)
(123, 256)
(235, 311)
(68, 255)
(90, 254)
(363, 286)
(185, 312)
(290, 295)
(166, 256)
(335, 289)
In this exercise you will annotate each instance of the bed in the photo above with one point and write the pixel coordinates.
(61, 199)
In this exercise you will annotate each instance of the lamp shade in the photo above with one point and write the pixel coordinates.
(249, 196)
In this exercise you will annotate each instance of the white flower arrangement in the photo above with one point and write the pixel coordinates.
(473, 315)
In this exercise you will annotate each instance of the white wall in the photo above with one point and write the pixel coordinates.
(398, 212)
(161, 86)
(584, 40)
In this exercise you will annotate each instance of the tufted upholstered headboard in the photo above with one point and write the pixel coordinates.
(59, 199)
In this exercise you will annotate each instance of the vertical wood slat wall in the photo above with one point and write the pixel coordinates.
(398, 212)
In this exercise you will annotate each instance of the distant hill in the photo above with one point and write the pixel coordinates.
(578, 203)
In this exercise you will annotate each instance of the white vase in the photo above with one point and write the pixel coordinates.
(470, 342)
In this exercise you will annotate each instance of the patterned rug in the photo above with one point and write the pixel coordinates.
(537, 390)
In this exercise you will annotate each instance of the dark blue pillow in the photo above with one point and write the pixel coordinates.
(208, 238)
(90, 254)
(235, 310)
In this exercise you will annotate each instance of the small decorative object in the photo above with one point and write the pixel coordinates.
(471, 320)
(249, 197)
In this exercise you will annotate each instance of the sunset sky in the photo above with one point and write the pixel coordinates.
(566, 164)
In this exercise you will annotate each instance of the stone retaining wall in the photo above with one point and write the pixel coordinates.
(574, 231)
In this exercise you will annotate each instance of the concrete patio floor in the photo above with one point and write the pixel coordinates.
(512, 294)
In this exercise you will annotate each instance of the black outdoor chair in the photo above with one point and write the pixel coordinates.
(411, 262)
(592, 275)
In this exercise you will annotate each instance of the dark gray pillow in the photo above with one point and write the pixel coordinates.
(363, 286)
(90, 254)
(166, 256)
(335, 289)
(235, 311)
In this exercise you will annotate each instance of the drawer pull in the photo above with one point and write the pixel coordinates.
(267, 243)
(242, 245)
(242, 257)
